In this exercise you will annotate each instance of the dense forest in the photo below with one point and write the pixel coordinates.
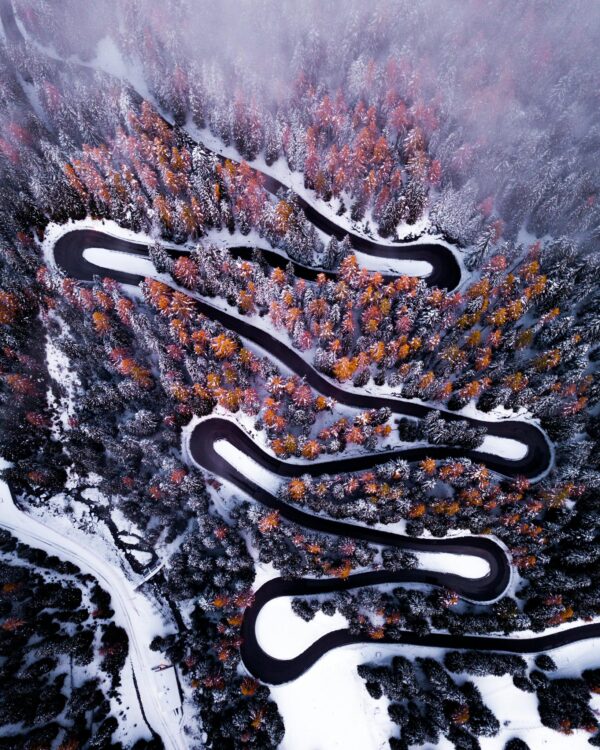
(399, 131)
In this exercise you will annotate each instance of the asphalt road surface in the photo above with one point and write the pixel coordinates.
(277, 671)
(68, 255)
(445, 273)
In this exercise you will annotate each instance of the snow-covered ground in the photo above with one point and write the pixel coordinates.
(58, 369)
(103, 258)
(332, 687)
(248, 466)
(327, 708)
(133, 612)
(505, 447)
(517, 711)
(284, 635)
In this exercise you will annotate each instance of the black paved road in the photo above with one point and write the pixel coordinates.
(445, 273)
(484, 589)
(209, 431)
(277, 671)
(68, 255)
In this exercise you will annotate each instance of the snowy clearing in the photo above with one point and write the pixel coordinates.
(248, 466)
(103, 258)
(504, 447)
(328, 707)
(281, 633)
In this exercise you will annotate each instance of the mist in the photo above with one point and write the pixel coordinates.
(513, 84)
(356, 243)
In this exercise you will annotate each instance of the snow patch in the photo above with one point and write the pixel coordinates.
(328, 707)
(284, 635)
(467, 566)
(404, 267)
(247, 466)
(505, 447)
(111, 259)
(144, 558)
(110, 60)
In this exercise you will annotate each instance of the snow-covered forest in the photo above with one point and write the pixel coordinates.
(299, 396)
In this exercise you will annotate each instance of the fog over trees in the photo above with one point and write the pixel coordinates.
(262, 153)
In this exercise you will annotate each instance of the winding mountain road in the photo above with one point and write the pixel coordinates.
(69, 256)
(277, 671)
(487, 588)
(202, 449)
(68, 252)
(445, 273)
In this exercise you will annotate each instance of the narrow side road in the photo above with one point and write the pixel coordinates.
(132, 611)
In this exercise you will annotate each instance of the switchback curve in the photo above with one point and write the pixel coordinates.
(485, 589)
(202, 449)
(446, 270)
(445, 273)
(277, 671)
(68, 255)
